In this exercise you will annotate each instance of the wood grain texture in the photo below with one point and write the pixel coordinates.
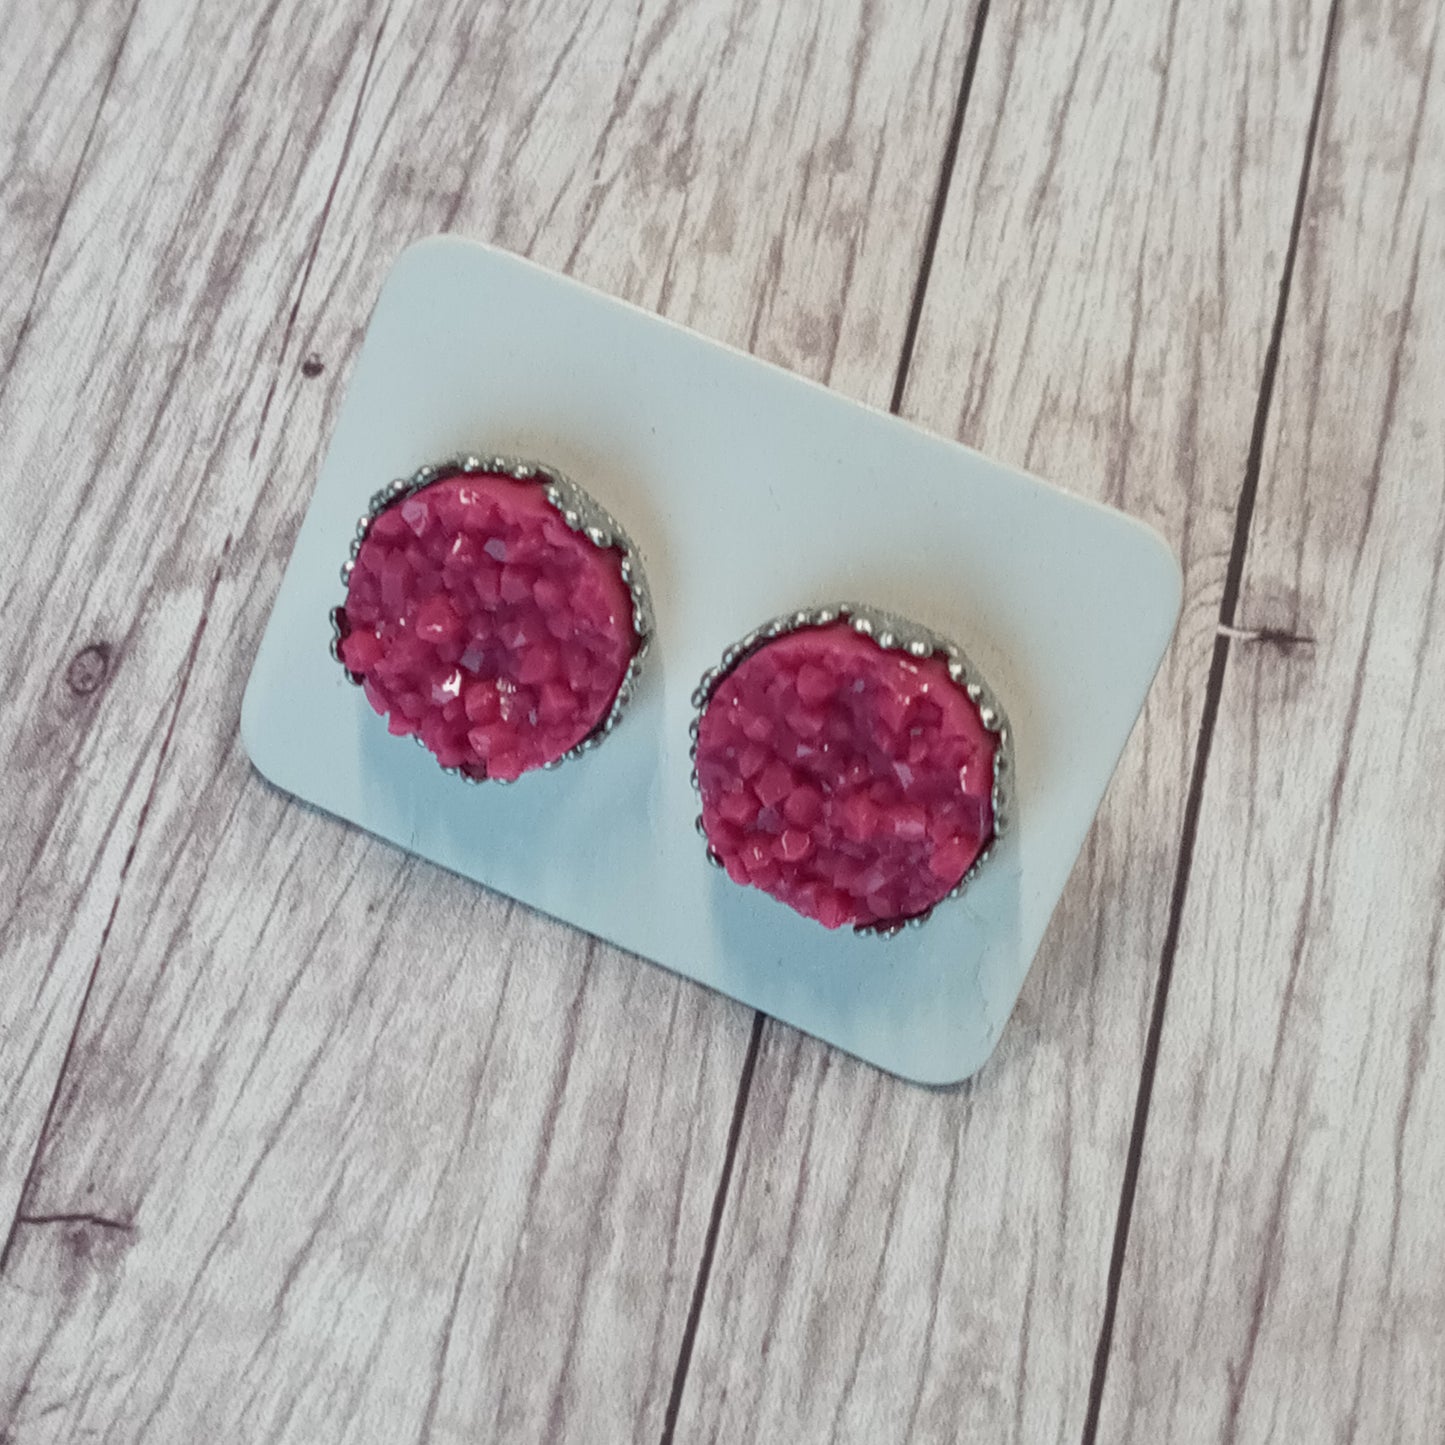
(347, 1148)
(1286, 1277)
(169, 279)
(55, 68)
(899, 1264)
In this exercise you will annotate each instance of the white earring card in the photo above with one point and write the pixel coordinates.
(749, 493)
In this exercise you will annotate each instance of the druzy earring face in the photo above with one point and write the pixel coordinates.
(851, 764)
(495, 613)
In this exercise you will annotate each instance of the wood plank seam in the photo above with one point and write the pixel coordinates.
(104, 92)
(1225, 635)
(940, 201)
(709, 1248)
(900, 381)
(20, 1217)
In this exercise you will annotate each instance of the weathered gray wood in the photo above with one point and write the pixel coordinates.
(127, 414)
(358, 1151)
(1285, 1278)
(56, 64)
(900, 1264)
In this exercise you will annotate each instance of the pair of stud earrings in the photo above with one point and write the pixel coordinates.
(849, 763)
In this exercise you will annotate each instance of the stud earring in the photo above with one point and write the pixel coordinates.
(495, 613)
(852, 765)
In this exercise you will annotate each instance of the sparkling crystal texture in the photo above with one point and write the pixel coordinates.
(482, 624)
(850, 781)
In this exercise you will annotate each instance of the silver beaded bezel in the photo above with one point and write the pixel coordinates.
(898, 634)
(582, 513)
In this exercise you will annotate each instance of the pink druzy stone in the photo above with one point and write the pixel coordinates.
(850, 781)
(481, 623)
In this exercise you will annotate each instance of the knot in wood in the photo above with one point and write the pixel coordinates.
(88, 669)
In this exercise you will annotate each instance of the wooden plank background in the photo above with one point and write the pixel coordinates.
(1286, 1272)
(303, 1140)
